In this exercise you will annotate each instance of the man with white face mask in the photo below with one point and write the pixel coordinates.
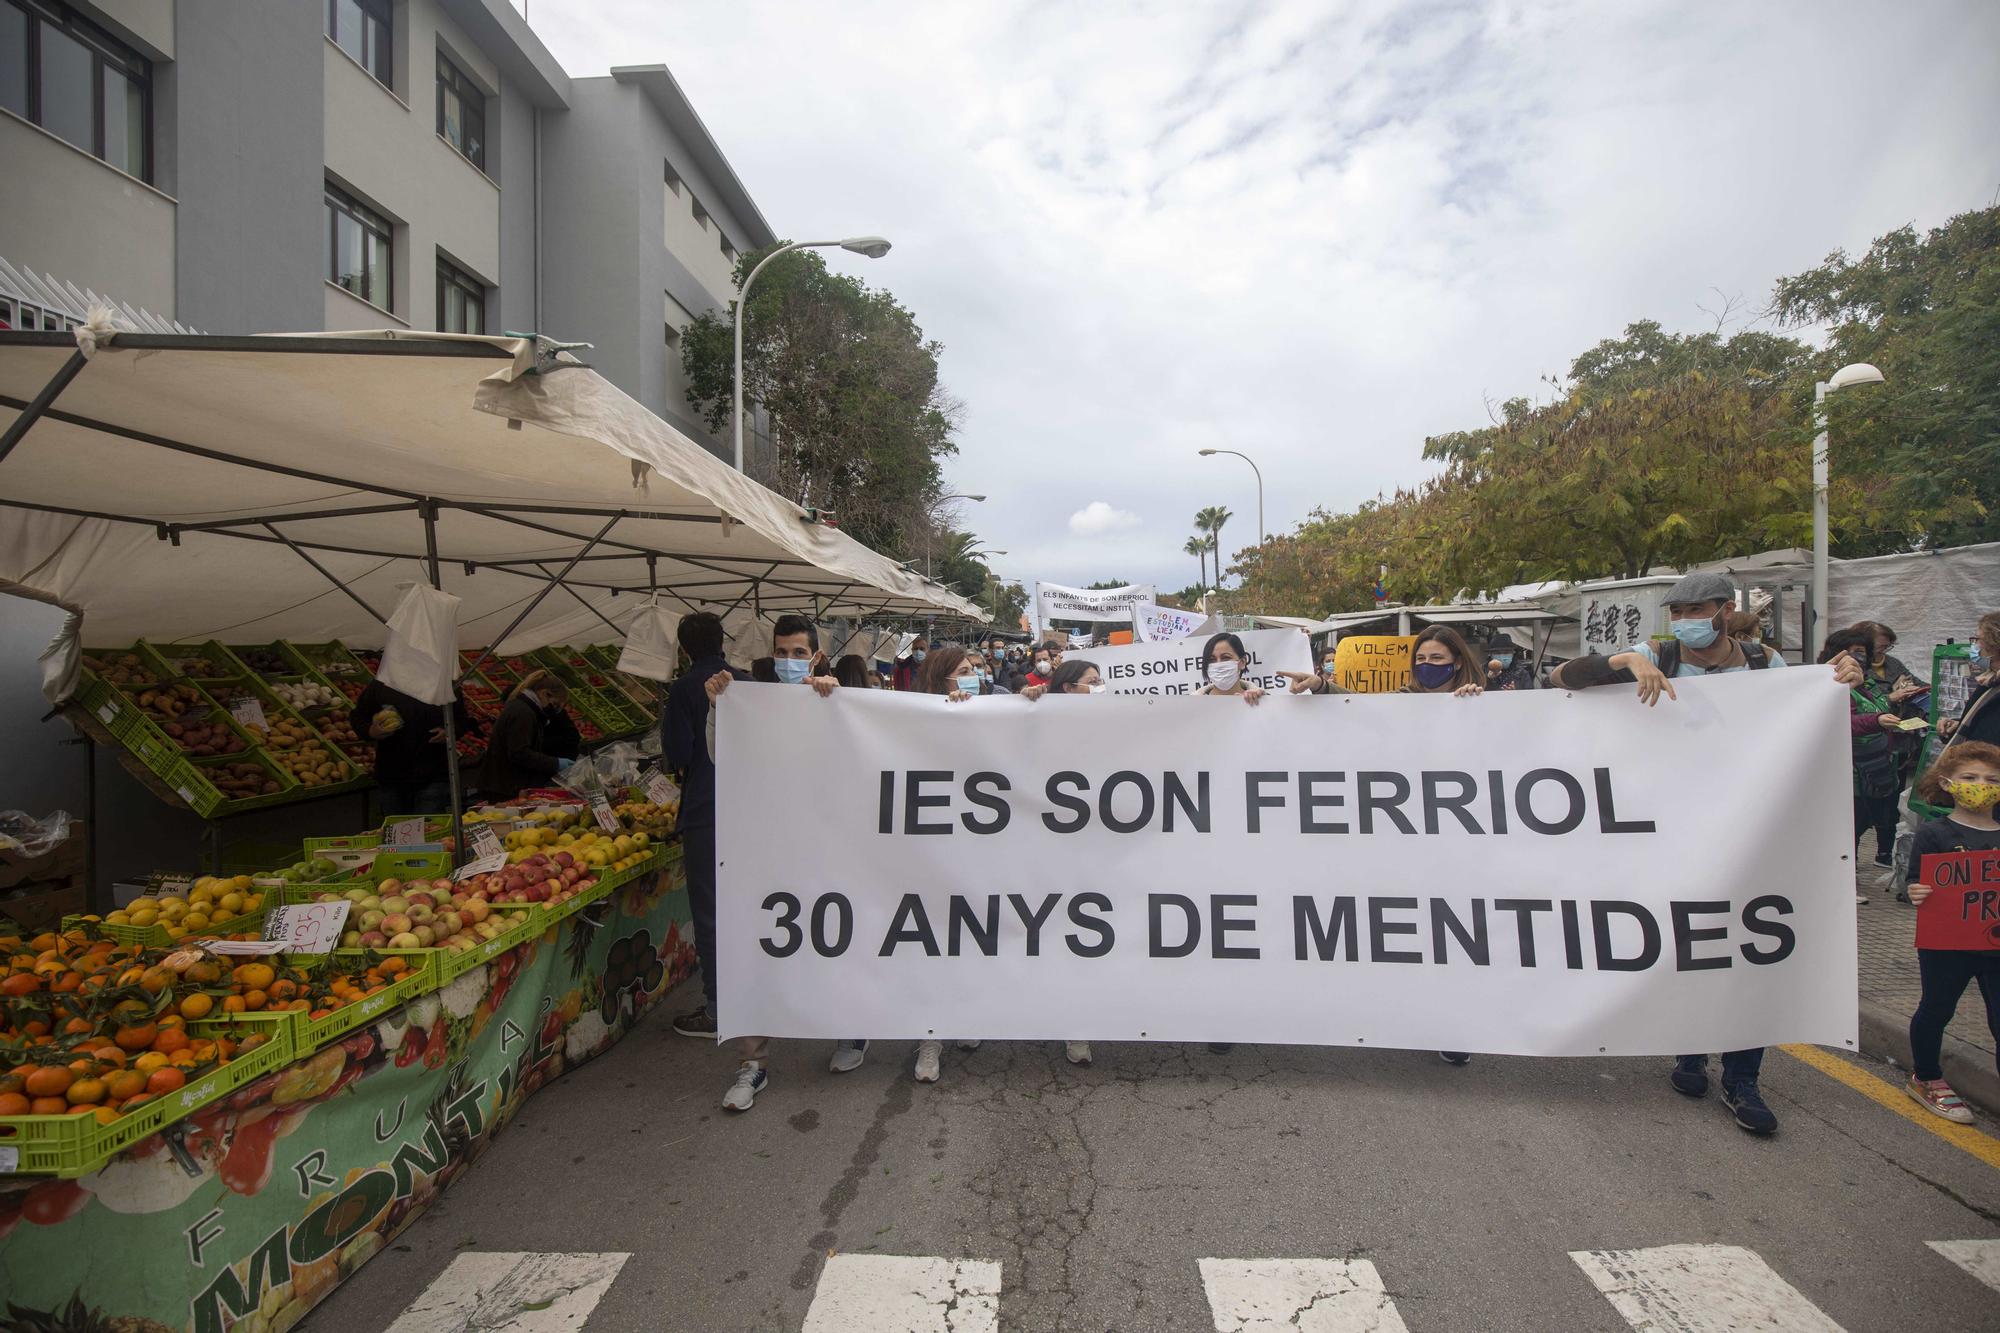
(1698, 608)
(796, 659)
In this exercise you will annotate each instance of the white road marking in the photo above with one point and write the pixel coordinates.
(513, 1292)
(1309, 1295)
(1700, 1289)
(1981, 1258)
(889, 1293)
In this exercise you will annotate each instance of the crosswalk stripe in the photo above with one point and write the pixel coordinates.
(1308, 1295)
(1700, 1289)
(513, 1292)
(1981, 1258)
(890, 1293)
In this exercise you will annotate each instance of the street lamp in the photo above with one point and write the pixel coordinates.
(1262, 536)
(873, 247)
(1847, 376)
(942, 498)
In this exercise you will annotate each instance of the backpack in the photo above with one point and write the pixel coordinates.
(1667, 656)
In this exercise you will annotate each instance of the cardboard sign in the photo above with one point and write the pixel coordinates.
(660, 788)
(1963, 911)
(250, 712)
(606, 820)
(307, 927)
(1373, 663)
(407, 832)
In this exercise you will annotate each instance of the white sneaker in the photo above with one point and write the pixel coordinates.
(847, 1056)
(1860, 899)
(928, 1053)
(742, 1094)
(1078, 1052)
(967, 1043)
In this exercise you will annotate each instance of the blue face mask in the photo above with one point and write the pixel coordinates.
(792, 670)
(1433, 675)
(1694, 633)
(1505, 660)
(967, 684)
(918, 655)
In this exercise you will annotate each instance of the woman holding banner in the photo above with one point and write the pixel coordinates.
(1223, 662)
(1074, 676)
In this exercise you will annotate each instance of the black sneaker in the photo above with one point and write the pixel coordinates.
(1748, 1108)
(1455, 1057)
(1884, 859)
(696, 1023)
(1221, 1047)
(1690, 1076)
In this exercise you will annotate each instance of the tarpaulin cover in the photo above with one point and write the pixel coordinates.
(161, 433)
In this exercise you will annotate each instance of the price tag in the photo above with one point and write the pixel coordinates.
(409, 832)
(485, 842)
(244, 948)
(175, 884)
(660, 788)
(307, 927)
(10, 1161)
(250, 712)
(481, 864)
(606, 820)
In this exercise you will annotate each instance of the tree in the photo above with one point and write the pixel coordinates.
(1916, 460)
(1197, 546)
(1007, 601)
(859, 416)
(1210, 521)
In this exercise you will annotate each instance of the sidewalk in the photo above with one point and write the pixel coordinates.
(1889, 991)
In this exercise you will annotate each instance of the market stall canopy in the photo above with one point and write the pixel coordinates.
(1490, 613)
(188, 487)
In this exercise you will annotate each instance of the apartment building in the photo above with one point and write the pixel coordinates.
(291, 165)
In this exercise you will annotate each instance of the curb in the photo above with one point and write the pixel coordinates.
(1885, 1035)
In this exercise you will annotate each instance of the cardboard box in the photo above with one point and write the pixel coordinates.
(64, 862)
(40, 906)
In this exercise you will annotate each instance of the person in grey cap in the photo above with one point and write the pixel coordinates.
(1698, 607)
(1507, 667)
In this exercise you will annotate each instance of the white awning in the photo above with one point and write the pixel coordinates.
(1496, 614)
(188, 487)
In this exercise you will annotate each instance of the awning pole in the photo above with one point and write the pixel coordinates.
(536, 600)
(40, 402)
(428, 509)
(328, 574)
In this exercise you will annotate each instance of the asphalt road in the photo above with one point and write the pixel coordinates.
(1099, 1191)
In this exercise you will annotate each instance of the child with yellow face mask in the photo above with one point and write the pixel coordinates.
(1967, 776)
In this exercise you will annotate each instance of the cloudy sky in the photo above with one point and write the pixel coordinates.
(1314, 232)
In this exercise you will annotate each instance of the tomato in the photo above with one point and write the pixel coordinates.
(54, 1201)
(246, 1167)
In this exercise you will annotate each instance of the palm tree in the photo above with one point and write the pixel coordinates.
(1210, 521)
(1197, 546)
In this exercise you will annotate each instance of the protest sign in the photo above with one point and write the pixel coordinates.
(1393, 870)
(1152, 623)
(1175, 668)
(1373, 663)
(1963, 911)
(1055, 602)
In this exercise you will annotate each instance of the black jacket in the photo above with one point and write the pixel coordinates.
(684, 740)
(517, 754)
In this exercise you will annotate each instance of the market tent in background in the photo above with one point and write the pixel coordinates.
(187, 487)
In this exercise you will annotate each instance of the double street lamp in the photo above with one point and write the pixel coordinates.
(874, 247)
(1846, 377)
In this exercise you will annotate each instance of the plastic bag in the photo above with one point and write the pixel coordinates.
(612, 768)
(24, 838)
(421, 655)
(652, 644)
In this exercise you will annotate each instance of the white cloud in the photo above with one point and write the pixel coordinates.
(1098, 518)
(1313, 231)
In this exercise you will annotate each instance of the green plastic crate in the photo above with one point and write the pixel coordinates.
(452, 965)
(313, 1033)
(155, 936)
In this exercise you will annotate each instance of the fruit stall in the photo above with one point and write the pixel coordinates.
(211, 1140)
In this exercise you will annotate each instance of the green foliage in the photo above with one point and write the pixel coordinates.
(1671, 449)
(858, 415)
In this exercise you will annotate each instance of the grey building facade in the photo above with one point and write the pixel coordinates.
(292, 165)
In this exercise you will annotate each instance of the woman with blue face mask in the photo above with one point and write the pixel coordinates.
(1441, 663)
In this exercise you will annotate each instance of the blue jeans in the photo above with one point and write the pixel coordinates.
(1737, 1066)
(698, 857)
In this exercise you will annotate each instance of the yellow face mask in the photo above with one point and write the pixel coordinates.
(1973, 796)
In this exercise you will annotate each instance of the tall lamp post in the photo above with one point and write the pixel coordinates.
(1846, 377)
(874, 247)
(1262, 537)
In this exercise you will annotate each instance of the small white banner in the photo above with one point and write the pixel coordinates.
(1175, 668)
(1538, 873)
(1153, 623)
(1055, 602)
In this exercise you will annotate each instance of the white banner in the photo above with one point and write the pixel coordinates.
(1175, 668)
(1397, 870)
(1055, 602)
(1152, 623)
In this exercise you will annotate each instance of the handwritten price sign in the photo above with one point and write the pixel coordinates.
(307, 927)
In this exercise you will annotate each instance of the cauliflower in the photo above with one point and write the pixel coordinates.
(585, 1036)
(462, 994)
(424, 1011)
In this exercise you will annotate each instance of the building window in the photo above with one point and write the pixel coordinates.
(461, 303)
(461, 112)
(677, 319)
(673, 182)
(700, 213)
(359, 248)
(76, 81)
(361, 28)
(728, 250)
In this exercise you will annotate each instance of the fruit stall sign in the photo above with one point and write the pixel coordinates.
(606, 820)
(1963, 910)
(307, 927)
(488, 860)
(407, 832)
(250, 712)
(660, 789)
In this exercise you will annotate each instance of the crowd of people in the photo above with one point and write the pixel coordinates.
(1709, 635)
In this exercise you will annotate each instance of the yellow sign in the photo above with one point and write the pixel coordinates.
(1373, 663)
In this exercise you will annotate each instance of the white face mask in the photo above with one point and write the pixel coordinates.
(1223, 674)
(1097, 688)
